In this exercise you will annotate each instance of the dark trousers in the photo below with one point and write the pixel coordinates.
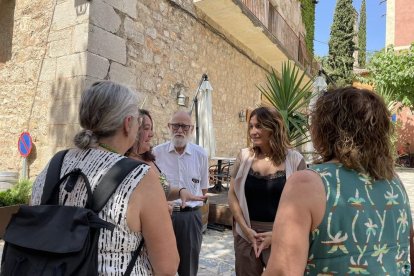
(188, 232)
(246, 262)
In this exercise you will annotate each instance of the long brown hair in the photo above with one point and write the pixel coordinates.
(353, 125)
(147, 156)
(271, 120)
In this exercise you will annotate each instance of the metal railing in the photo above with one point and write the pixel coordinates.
(292, 43)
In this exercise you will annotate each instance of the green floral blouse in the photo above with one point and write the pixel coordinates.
(365, 229)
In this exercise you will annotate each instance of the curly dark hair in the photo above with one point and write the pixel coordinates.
(353, 125)
(271, 120)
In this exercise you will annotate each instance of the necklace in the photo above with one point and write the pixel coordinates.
(108, 148)
(266, 157)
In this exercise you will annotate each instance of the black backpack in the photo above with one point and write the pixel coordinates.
(52, 239)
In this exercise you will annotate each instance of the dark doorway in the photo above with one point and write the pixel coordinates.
(6, 29)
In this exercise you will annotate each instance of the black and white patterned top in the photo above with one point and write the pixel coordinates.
(116, 248)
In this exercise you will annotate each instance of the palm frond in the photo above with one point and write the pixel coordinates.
(388, 95)
(290, 95)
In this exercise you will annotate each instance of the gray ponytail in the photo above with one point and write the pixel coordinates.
(102, 110)
(85, 139)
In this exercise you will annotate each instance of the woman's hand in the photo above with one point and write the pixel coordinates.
(251, 236)
(187, 196)
(264, 240)
(170, 207)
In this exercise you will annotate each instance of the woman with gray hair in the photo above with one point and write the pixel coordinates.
(108, 115)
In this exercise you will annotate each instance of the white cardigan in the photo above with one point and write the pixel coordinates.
(245, 158)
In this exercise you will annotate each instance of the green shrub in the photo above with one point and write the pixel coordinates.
(18, 194)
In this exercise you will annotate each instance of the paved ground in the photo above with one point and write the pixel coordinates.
(407, 177)
(217, 253)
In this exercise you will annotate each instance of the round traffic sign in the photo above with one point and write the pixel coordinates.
(25, 144)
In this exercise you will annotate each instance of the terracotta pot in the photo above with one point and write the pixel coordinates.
(5, 216)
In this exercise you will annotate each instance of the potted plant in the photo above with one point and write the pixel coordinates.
(11, 199)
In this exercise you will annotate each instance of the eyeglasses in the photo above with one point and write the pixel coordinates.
(177, 126)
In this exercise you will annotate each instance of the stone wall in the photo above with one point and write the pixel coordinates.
(159, 48)
(167, 50)
(41, 79)
(27, 43)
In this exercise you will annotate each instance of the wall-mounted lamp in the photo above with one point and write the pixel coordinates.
(181, 99)
(242, 116)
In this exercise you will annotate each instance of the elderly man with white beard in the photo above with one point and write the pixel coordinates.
(186, 167)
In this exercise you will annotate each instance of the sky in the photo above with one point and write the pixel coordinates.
(375, 24)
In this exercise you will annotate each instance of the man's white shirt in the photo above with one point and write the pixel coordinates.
(188, 170)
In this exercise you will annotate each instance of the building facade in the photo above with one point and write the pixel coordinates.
(399, 24)
(52, 49)
(400, 34)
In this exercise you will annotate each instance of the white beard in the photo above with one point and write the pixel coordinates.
(179, 142)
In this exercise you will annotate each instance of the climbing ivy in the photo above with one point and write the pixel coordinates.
(308, 17)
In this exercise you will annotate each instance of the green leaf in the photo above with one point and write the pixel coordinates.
(290, 95)
(18, 194)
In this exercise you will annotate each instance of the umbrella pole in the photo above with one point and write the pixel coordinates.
(196, 120)
(203, 81)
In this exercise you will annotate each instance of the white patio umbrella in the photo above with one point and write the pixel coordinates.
(319, 87)
(202, 103)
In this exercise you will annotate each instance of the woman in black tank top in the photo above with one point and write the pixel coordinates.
(258, 179)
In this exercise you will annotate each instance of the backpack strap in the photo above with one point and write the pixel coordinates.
(107, 187)
(53, 175)
(111, 181)
(134, 258)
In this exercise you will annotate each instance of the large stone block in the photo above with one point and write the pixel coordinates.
(128, 7)
(72, 65)
(104, 16)
(123, 75)
(69, 14)
(48, 70)
(96, 66)
(60, 35)
(64, 111)
(118, 4)
(107, 45)
(80, 38)
(131, 8)
(60, 48)
(67, 89)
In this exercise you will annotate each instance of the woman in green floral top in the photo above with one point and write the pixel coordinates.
(141, 151)
(349, 214)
